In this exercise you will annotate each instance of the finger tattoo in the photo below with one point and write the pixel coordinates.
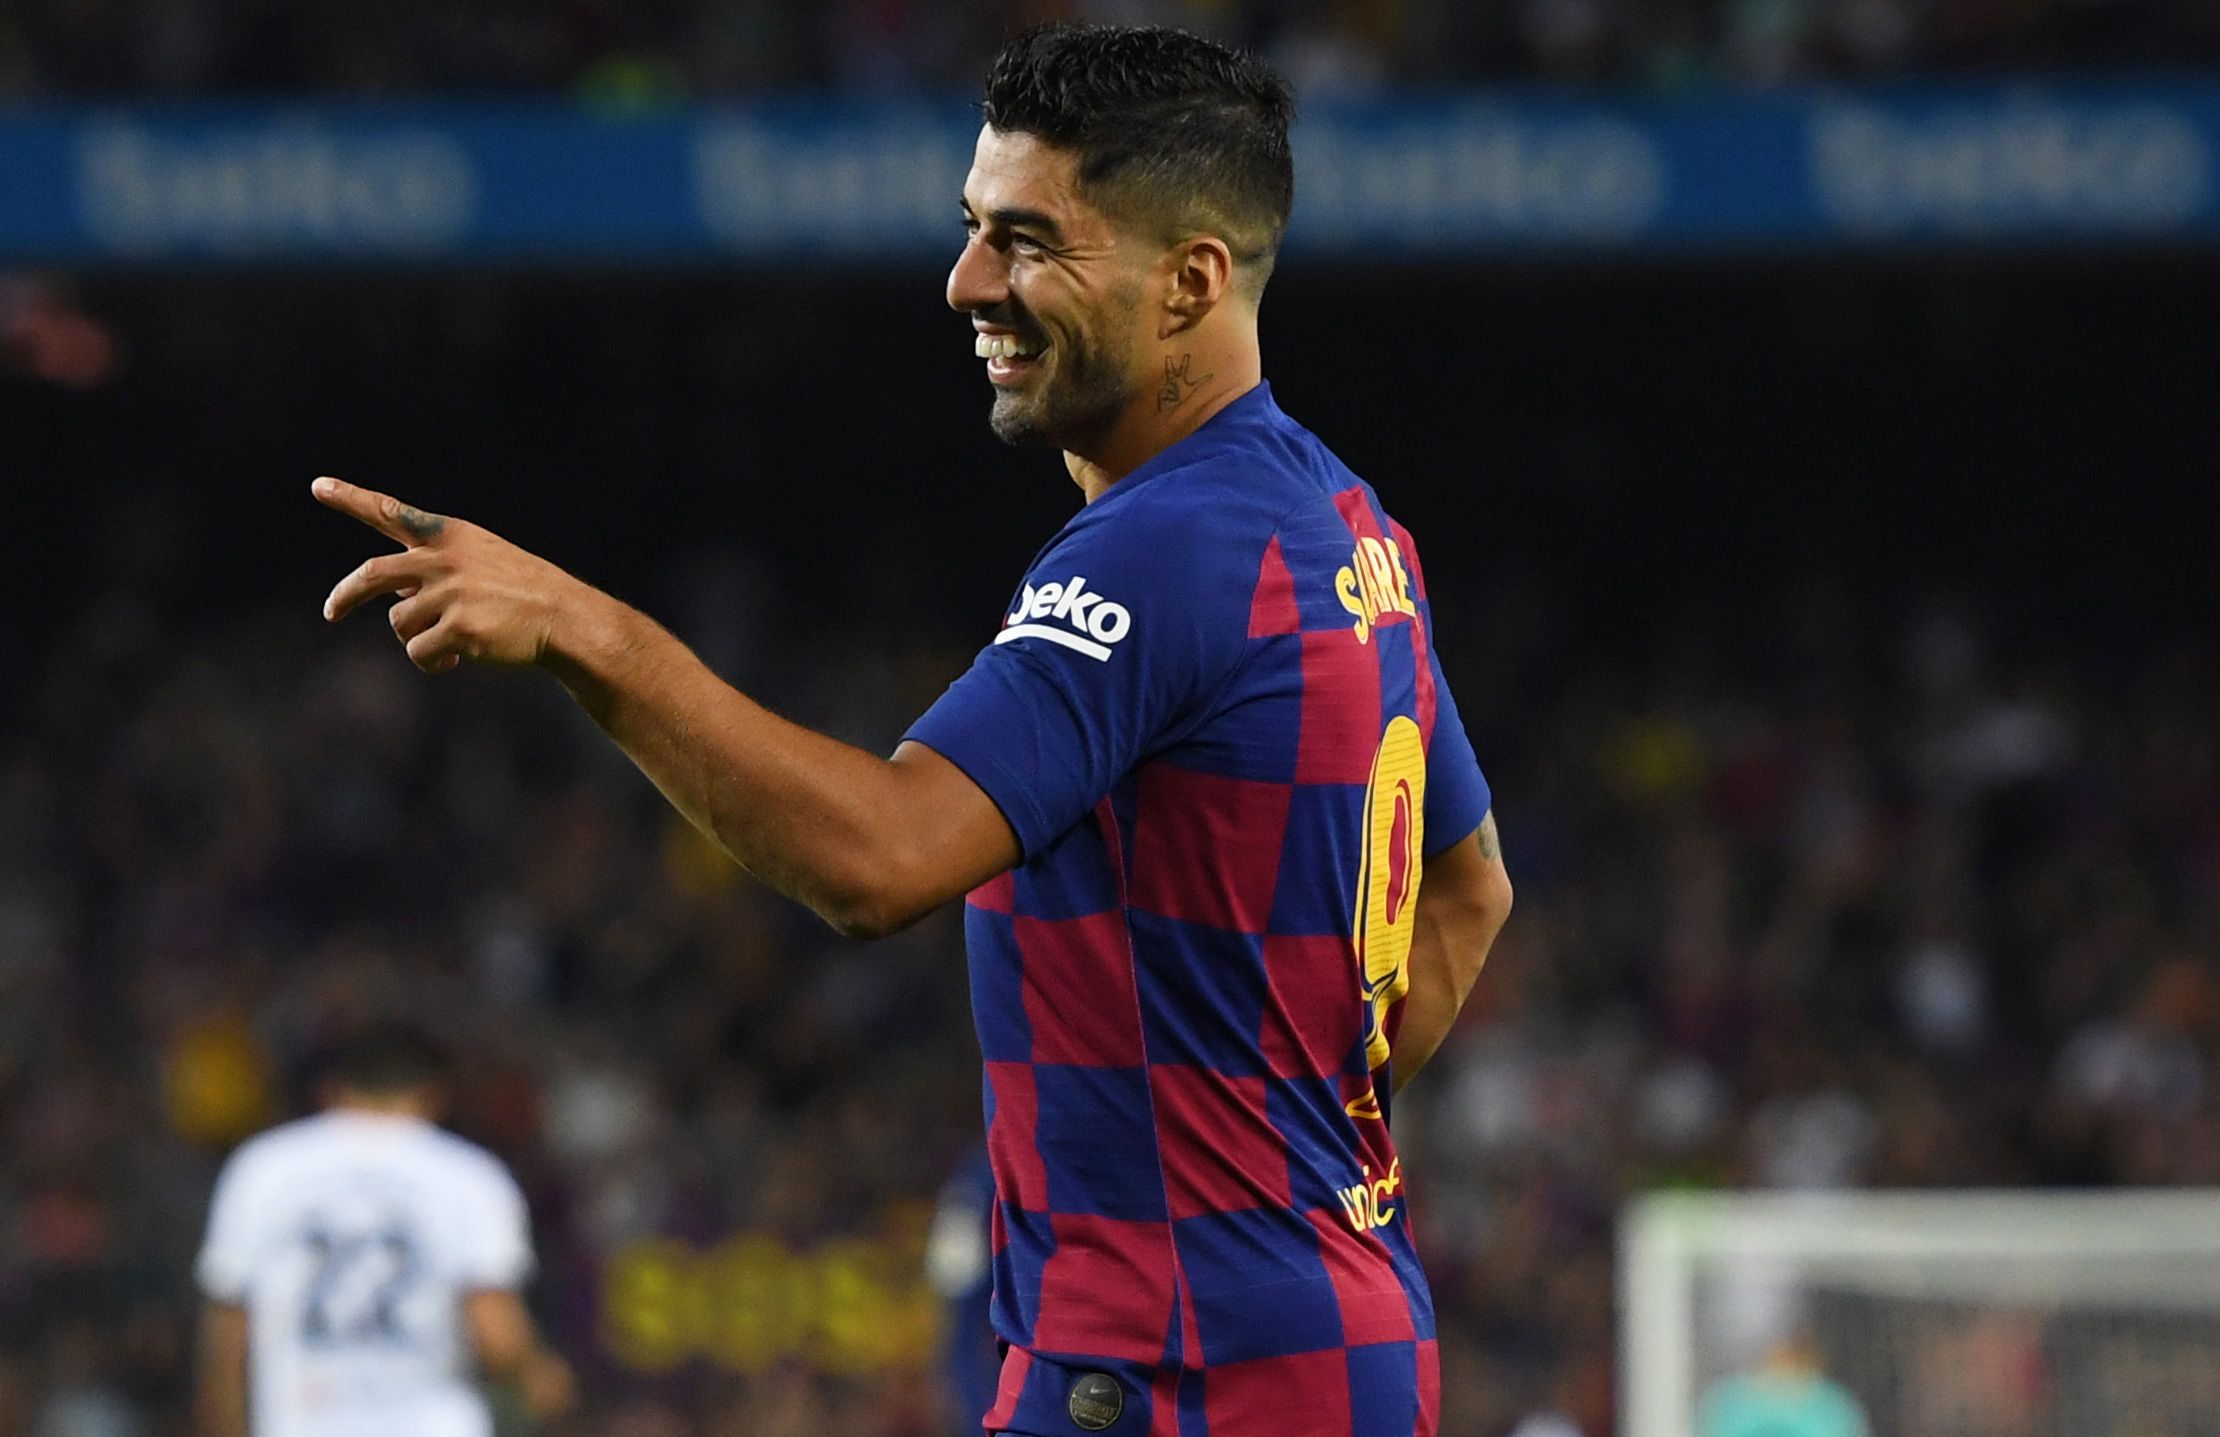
(419, 524)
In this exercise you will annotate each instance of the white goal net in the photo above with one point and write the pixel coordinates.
(1962, 1314)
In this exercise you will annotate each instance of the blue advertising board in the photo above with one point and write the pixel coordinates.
(1520, 173)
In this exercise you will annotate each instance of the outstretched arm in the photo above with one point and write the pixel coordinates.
(1462, 903)
(872, 844)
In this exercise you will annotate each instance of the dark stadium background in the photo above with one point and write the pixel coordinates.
(2028, 432)
(1736, 562)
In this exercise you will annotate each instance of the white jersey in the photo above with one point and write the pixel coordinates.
(351, 1240)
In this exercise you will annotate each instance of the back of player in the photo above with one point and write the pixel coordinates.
(1216, 722)
(351, 1243)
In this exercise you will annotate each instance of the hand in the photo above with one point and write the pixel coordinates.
(547, 1386)
(464, 593)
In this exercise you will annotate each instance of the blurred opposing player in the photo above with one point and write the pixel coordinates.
(959, 1265)
(1192, 785)
(362, 1266)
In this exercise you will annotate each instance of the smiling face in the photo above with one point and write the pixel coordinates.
(1056, 293)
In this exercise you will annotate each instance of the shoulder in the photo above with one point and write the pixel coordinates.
(1190, 510)
(1204, 520)
(1172, 563)
(262, 1164)
(1282, 481)
(275, 1147)
(454, 1151)
(468, 1164)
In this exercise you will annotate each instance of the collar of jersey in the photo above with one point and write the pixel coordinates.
(1253, 407)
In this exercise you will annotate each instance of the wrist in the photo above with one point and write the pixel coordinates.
(584, 629)
(593, 647)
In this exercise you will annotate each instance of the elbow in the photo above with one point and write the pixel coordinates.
(865, 920)
(1498, 900)
(1486, 896)
(872, 901)
(1488, 909)
(1495, 911)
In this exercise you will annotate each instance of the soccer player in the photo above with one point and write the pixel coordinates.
(360, 1262)
(1192, 786)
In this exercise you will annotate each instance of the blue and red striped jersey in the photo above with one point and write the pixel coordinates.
(1216, 722)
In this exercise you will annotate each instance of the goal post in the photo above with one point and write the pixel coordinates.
(1946, 1312)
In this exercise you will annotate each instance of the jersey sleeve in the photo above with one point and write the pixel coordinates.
(1124, 631)
(225, 1267)
(495, 1250)
(1457, 796)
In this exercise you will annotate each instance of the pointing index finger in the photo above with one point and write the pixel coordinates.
(402, 523)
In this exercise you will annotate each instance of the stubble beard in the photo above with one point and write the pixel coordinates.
(1081, 400)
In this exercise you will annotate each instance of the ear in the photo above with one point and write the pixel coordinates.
(1201, 277)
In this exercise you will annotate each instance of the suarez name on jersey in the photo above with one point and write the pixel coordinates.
(1215, 720)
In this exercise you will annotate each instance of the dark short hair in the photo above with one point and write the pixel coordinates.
(1163, 123)
(385, 1057)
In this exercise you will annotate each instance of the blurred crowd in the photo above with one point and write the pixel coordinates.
(1886, 912)
(223, 844)
(644, 53)
(1828, 902)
